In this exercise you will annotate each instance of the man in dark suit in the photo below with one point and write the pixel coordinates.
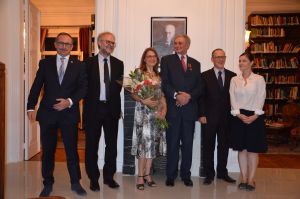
(102, 108)
(214, 116)
(181, 83)
(63, 80)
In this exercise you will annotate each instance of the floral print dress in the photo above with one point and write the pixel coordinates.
(148, 140)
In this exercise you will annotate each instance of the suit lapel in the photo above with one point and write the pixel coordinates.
(96, 71)
(227, 80)
(53, 67)
(214, 78)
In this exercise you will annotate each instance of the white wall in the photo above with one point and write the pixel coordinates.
(12, 54)
(211, 24)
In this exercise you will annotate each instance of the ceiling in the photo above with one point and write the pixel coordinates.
(65, 12)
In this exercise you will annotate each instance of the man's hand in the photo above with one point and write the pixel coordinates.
(62, 104)
(202, 120)
(31, 115)
(182, 98)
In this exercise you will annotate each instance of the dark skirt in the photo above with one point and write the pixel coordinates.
(251, 137)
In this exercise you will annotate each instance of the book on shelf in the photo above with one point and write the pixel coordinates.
(258, 20)
(282, 93)
(271, 47)
(281, 63)
(267, 32)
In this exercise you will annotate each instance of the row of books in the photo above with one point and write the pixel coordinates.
(280, 79)
(267, 32)
(271, 109)
(274, 20)
(283, 93)
(267, 63)
(273, 48)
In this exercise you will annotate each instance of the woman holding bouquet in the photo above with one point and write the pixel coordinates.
(148, 138)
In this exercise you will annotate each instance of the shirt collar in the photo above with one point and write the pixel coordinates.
(100, 57)
(58, 57)
(250, 77)
(179, 55)
(217, 70)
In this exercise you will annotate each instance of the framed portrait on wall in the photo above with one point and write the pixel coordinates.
(163, 31)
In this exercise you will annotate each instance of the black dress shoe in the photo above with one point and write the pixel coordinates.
(77, 188)
(227, 178)
(94, 186)
(111, 183)
(170, 182)
(207, 181)
(188, 182)
(46, 191)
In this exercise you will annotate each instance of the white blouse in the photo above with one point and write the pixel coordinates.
(249, 95)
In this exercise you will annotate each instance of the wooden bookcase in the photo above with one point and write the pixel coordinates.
(275, 44)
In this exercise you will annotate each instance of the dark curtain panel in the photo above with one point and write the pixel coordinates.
(44, 32)
(84, 37)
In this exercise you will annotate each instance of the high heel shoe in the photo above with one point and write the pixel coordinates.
(149, 183)
(242, 186)
(140, 186)
(250, 187)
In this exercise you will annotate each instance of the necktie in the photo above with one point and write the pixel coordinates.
(106, 78)
(183, 63)
(61, 71)
(220, 80)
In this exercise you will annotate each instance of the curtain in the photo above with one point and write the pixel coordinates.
(84, 38)
(44, 32)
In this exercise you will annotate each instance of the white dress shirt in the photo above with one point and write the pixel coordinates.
(222, 75)
(185, 58)
(101, 72)
(58, 62)
(249, 95)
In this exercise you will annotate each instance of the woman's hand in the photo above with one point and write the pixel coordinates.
(250, 119)
(150, 102)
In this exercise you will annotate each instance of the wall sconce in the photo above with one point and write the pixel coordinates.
(247, 38)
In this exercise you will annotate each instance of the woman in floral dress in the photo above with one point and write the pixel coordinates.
(148, 138)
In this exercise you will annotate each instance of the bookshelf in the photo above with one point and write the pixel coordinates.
(92, 36)
(275, 45)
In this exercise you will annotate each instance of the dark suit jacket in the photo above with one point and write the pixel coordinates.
(174, 79)
(215, 102)
(93, 93)
(73, 86)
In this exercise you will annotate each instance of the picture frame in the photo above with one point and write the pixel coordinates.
(163, 31)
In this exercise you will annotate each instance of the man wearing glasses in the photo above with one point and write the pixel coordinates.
(102, 108)
(214, 116)
(64, 82)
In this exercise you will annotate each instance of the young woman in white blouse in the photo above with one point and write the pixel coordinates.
(247, 97)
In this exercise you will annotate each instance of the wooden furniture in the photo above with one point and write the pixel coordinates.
(2, 129)
(275, 44)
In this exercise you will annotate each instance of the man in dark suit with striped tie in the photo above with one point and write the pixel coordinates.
(64, 83)
(181, 83)
(214, 116)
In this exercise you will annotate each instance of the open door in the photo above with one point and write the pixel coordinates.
(32, 56)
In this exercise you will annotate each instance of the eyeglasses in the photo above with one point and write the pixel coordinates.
(61, 44)
(112, 43)
(220, 57)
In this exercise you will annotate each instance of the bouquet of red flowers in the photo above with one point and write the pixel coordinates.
(144, 88)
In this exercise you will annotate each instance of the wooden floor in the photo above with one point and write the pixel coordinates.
(265, 161)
